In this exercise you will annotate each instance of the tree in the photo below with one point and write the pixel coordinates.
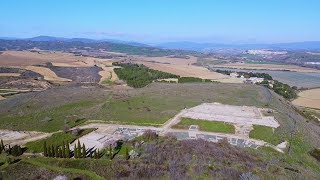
(49, 151)
(95, 155)
(45, 150)
(56, 152)
(52, 151)
(110, 151)
(68, 150)
(2, 147)
(84, 153)
(75, 151)
(64, 150)
(16, 150)
(60, 152)
(127, 153)
(79, 149)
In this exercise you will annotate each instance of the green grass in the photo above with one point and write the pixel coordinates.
(152, 105)
(100, 167)
(35, 119)
(210, 126)
(264, 133)
(88, 173)
(55, 139)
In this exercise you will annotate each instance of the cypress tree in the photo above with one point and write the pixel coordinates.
(75, 151)
(95, 154)
(56, 151)
(1, 148)
(60, 152)
(2, 145)
(64, 150)
(52, 151)
(45, 150)
(79, 150)
(127, 153)
(49, 151)
(110, 151)
(84, 153)
(68, 150)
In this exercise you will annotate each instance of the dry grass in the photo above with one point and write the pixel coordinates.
(26, 58)
(309, 98)
(180, 66)
(268, 67)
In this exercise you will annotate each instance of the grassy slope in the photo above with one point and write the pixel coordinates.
(210, 126)
(158, 102)
(154, 104)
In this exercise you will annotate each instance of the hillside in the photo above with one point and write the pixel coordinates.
(154, 105)
(58, 44)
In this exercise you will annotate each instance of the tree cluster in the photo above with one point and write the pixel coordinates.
(64, 151)
(16, 150)
(57, 151)
(138, 76)
(284, 90)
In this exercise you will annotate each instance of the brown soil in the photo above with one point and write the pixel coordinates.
(308, 98)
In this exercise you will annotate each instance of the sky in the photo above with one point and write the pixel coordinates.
(155, 21)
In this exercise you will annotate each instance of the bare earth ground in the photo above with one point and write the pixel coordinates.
(21, 137)
(180, 66)
(48, 74)
(268, 67)
(241, 115)
(27, 58)
(308, 98)
(2, 98)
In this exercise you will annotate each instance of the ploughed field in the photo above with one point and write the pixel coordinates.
(308, 98)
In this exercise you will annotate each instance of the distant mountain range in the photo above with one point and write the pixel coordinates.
(84, 40)
(185, 45)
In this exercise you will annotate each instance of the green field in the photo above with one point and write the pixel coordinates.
(264, 133)
(209, 126)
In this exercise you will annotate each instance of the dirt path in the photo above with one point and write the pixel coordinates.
(175, 120)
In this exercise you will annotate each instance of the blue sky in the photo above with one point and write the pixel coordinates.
(229, 21)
